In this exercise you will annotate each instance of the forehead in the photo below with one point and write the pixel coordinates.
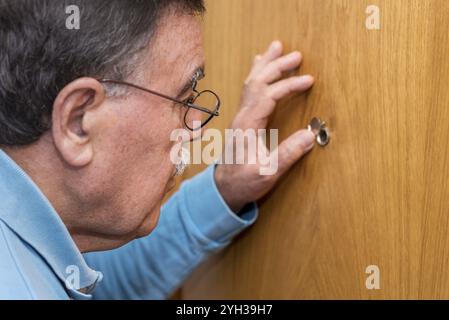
(176, 49)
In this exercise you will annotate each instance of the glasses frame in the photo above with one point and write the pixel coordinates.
(190, 105)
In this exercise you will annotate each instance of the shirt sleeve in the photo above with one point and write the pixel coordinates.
(194, 223)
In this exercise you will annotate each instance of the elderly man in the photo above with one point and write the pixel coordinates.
(85, 122)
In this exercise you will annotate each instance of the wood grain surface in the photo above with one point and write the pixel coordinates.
(378, 193)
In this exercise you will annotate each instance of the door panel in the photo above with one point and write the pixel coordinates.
(377, 194)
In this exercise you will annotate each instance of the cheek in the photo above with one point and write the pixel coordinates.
(142, 143)
(147, 133)
(148, 151)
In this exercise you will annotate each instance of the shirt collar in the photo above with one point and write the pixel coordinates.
(25, 209)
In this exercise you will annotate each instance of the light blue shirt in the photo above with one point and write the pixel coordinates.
(39, 259)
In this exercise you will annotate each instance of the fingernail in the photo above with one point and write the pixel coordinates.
(308, 78)
(275, 45)
(307, 140)
(294, 56)
(305, 81)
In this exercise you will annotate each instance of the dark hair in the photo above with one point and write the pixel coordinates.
(39, 55)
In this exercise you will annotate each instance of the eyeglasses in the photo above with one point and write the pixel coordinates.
(196, 116)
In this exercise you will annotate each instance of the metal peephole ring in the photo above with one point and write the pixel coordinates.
(320, 130)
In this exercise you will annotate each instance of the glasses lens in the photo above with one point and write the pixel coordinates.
(196, 118)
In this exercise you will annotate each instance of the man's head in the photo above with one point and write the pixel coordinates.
(101, 154)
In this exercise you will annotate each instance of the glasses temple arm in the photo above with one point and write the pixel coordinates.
(190, 105)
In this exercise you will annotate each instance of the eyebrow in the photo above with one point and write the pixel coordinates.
(197, 75)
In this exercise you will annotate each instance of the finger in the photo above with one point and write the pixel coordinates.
(284, 88)
(273, 52)
(257, 60)
(292, 149)
(274, 70)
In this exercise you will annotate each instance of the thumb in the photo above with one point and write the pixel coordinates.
(293, 148)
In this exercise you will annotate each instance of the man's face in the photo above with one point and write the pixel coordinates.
(132, 170)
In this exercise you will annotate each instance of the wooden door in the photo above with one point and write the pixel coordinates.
(378, 193)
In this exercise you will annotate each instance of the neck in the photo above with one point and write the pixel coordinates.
(47, 173)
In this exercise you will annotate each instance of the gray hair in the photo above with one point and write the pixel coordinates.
(39, 56)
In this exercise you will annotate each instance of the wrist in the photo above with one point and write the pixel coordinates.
(223, 181)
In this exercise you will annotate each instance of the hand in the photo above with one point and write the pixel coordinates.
(241, 184)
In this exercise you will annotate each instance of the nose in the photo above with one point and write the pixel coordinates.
(196, 135)
(193, 119)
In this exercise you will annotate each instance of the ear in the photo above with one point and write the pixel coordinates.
(71, 127)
